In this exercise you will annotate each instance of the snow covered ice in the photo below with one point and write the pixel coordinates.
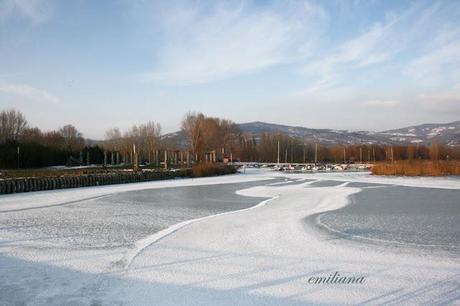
(246, 239)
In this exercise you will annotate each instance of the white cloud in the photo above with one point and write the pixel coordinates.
(205, 44)
(438, 64)
(37, 11)
(29, 92)
(414, 46)
(366, 49)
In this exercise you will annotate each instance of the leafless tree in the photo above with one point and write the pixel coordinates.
(53, 139)
(12, 125)
(73, 139)
(192, 127)
(144, 136)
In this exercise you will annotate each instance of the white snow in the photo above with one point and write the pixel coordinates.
(258, 256)
(436, 131)
(402, 134)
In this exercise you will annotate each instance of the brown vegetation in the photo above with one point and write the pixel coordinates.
(417, 168)
(207, 169)
(209, 137)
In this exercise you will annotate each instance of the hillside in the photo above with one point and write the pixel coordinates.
(443, 133)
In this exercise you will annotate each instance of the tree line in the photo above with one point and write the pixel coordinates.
(206, 139)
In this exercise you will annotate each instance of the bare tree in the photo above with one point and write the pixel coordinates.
(53, 139)
(192, 127)
(12, 125)
(150, 134)
(73, 139)
(112, 139)
(32, 135)
(144, 136)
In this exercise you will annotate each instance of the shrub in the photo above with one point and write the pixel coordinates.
(207, 169)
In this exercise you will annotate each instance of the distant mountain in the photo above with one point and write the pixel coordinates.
(317, 135)
(446, 133)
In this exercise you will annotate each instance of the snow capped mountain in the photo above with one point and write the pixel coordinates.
(447, 133)
(317, 135)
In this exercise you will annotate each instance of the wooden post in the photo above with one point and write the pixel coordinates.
(316, 153)
(278, 158)
(304, 153)
(135, 161)
(18, 152)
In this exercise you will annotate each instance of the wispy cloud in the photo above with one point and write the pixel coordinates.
(36, 11)
(417, 42)
(29, 93)
(213, 42)
(371, 47)
(438, 64)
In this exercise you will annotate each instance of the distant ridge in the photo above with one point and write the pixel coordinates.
(443, 133)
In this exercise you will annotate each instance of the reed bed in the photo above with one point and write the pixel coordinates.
(417, 168)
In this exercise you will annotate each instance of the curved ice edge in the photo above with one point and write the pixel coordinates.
(142, 244)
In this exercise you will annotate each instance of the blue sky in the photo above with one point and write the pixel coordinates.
(352, 65)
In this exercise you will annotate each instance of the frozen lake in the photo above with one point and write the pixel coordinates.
(120, 219)
(133, 244)
(418, 217)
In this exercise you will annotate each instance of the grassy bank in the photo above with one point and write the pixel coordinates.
(417, 168)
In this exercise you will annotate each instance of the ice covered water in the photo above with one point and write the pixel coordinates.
(403, 215)
(120, 219)
(325, 183)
